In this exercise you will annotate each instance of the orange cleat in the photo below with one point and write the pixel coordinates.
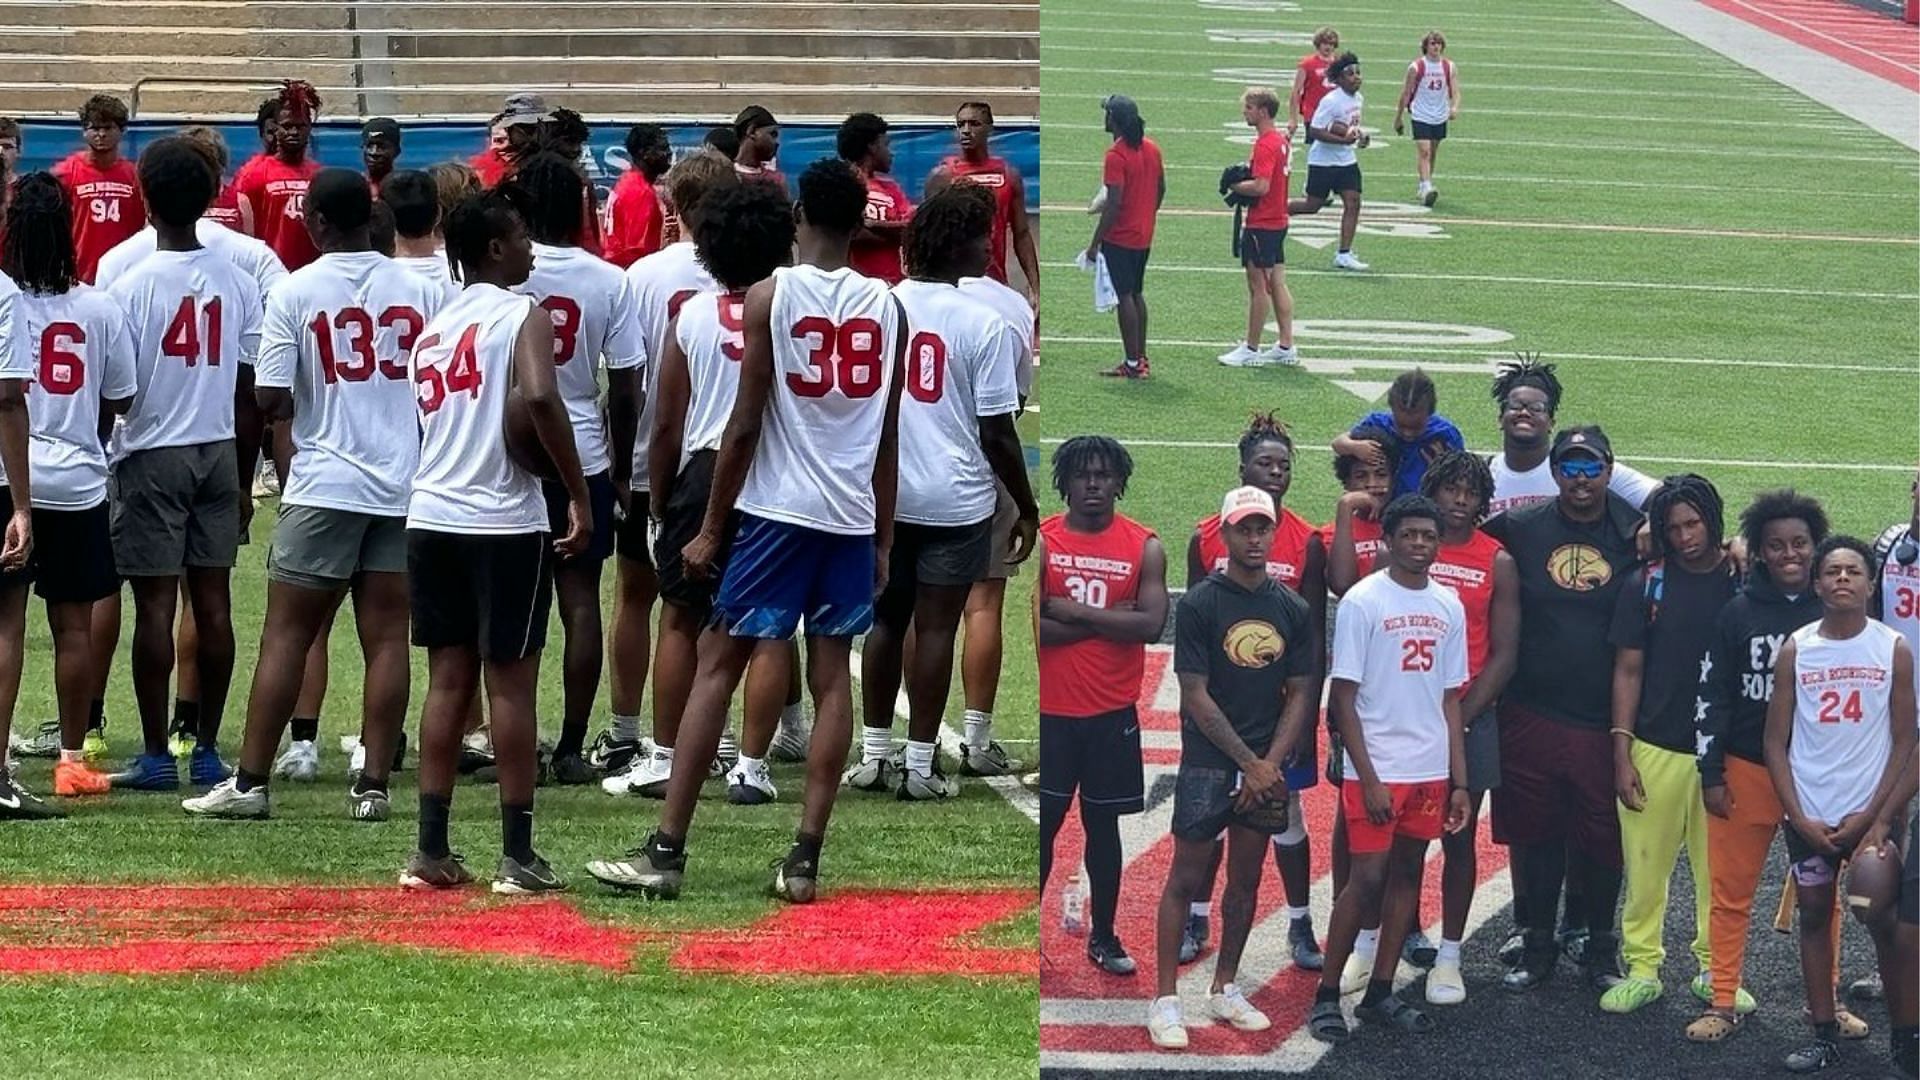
(72, 778)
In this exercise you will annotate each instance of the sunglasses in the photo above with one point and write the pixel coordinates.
(1582, 468)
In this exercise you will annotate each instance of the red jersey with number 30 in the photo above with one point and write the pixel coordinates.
(278, 193)
(106, 204)
(1467, 569)
(1101, 570)
(1286, 559)
(996, 176)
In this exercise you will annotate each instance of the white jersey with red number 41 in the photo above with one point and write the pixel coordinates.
(593, 315)
(710, 334)
(462, 370)
(78, 344)
(960, 367)
(338, 333)
(195, 318)
(835, 337)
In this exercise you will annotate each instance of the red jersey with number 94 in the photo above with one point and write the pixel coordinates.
(1102, 570)
(461, 370)
(107, 207)
(835, 339)
(194, 317)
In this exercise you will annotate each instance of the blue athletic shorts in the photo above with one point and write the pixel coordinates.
(779, 573)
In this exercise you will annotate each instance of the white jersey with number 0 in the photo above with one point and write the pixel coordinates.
(1432, 87)
(835, 337)
(77, 351)
(709, 332)
(1843, 691)
(1405, 648)
(1007, 303)
(195, 318)
(337, 334)
(661, 283)
(243, 251)
(593, 322)
(462, 370)
(960, 363)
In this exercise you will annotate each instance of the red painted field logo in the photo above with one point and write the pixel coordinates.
(150, 930)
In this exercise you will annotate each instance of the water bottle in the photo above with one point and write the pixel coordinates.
(1073, 906)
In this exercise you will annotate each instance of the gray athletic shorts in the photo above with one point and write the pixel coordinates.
(175, 507)
(317, 547)
(1483, 752)
(1004, 516)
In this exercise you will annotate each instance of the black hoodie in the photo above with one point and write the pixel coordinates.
(1731, 714)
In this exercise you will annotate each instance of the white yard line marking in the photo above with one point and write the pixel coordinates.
(1216, 57)
(1183, 444)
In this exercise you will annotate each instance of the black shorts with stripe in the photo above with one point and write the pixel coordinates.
(485, 592)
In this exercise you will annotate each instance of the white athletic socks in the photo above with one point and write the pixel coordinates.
(626, 728)
(1449, 954)
(1199, 910)
(876, 743)
(751, 766)
(920, 758)
(1295, 914)
(662, 752)
(979, 728)
(71, 756)
(1367, 943)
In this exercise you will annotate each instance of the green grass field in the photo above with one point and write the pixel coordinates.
(1724, 271)
(380, 1009)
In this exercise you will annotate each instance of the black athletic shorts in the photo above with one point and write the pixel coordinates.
(1203, 805)
(1263, 248)
(488, 592)
(600, 499)
(1325, 180)
(1127, 267)
(1095, 757)
(686, 510)
(931, 555)
(72, 560)
(1430, 132)
(1909, 872)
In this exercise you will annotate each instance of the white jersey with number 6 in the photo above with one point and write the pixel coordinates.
(835, 336)
(661, 283)
(79, 351)
(710, 334)
(462, 370)
(593, 320)
(960, 367)
(195, 318)
(338, 333)
(1843, 690)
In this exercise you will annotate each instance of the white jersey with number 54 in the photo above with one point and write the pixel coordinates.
(835, 336)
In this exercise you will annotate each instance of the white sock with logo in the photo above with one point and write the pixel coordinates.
(1367, 943)
(876, 743)
(1449, 954)
(920, 758)
(978, 728)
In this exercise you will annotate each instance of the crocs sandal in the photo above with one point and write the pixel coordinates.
(1393, 1012)
(1851, 1026)
(1713, 1026)
(1327, 1023)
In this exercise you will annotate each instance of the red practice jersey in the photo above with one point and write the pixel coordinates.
(996, 176)
(886, 201)
(1368, 542)
(1314, 86)
(106, 206)
(1467, 569)
(277, 192)
(1102, 570)
(490, 167)
(225, 208)
(1286, 559)
(636, 220)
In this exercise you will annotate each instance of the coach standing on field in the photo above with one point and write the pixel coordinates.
(1136, 184)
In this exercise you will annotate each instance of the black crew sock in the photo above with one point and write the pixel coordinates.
(434, 811)
(306, 728)
(97, 715)
(186, 716)
(516, 832)
(667, 845)
(1323, 994)
(1378, 990)
(369, 783)
(246, 781)
(1827, 1032)
(807, 846)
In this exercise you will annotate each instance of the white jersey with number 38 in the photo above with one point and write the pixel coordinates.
(835, 336)
(960, 367)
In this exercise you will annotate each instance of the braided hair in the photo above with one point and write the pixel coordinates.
(1468, 470)
(1078, 452)
(1527, 370)
(1263, 427)
(1685, 489)
(37, 252)
(943, 228)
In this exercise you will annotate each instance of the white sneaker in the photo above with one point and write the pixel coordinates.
(725, 757)
(1280, 355)
(648, 777)
(301, 761)
(1345, 260)
(226, 800)
(1445, 986)
(1233, 1007)
(750, 785)
(1356, 973)
(880, 774)
(1240, 356)
(932, 787)
(1164, 1025)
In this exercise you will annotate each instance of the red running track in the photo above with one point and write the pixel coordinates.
(1875, 44)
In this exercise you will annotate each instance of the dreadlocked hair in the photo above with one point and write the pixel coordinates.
(1466, 469)
(1077, 453)
(478, 221)
(1771, 506)
(942, 227)
(553, 187)
(1263, 427)
(37, 252)
(1527, 370)
(299, 100)
(1685, 489)
(1387, 441)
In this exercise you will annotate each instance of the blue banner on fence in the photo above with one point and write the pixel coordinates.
(916, 150)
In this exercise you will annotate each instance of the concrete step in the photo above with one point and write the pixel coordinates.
(569, 44)
(820, 15)
(204, 41)
(211, 14)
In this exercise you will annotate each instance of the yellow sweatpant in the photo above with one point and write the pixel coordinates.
(1650, 842)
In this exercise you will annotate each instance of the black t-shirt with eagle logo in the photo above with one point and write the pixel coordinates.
(1571, 574)
(1247, 644)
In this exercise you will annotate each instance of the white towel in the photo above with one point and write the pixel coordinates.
(1104, 298)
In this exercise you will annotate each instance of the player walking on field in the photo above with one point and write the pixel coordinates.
(1310, 82)
(332, 362)
(1134, 184)
(808, 460)
(1432, 94)
(1332, 164)
(104, 188)
(479, 556)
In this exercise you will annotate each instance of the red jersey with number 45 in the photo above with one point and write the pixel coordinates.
(835, 340)
(278, 193)
(106, 204)
(1467, 569)
(993, 174)
(1286, 559)
(1101, 570)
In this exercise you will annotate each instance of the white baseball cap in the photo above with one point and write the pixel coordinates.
(1243, 502)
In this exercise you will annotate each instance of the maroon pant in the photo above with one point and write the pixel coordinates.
(1556, 784)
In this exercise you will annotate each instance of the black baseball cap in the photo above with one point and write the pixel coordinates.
(1586, 440)
(380, 125)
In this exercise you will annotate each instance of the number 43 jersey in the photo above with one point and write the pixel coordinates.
(337, 334)
(835, 337)
(960, 368)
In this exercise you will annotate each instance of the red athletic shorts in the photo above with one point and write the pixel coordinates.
(1419, 813)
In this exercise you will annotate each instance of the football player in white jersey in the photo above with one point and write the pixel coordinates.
(660, 283)
(808, 461)
(180, 503)
(594, 323)
(417, 244)
(16, 372)
(333, 363)
(957, 440)
(479, 556)
(1840, 752)
(73, 338)
(742, 233)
